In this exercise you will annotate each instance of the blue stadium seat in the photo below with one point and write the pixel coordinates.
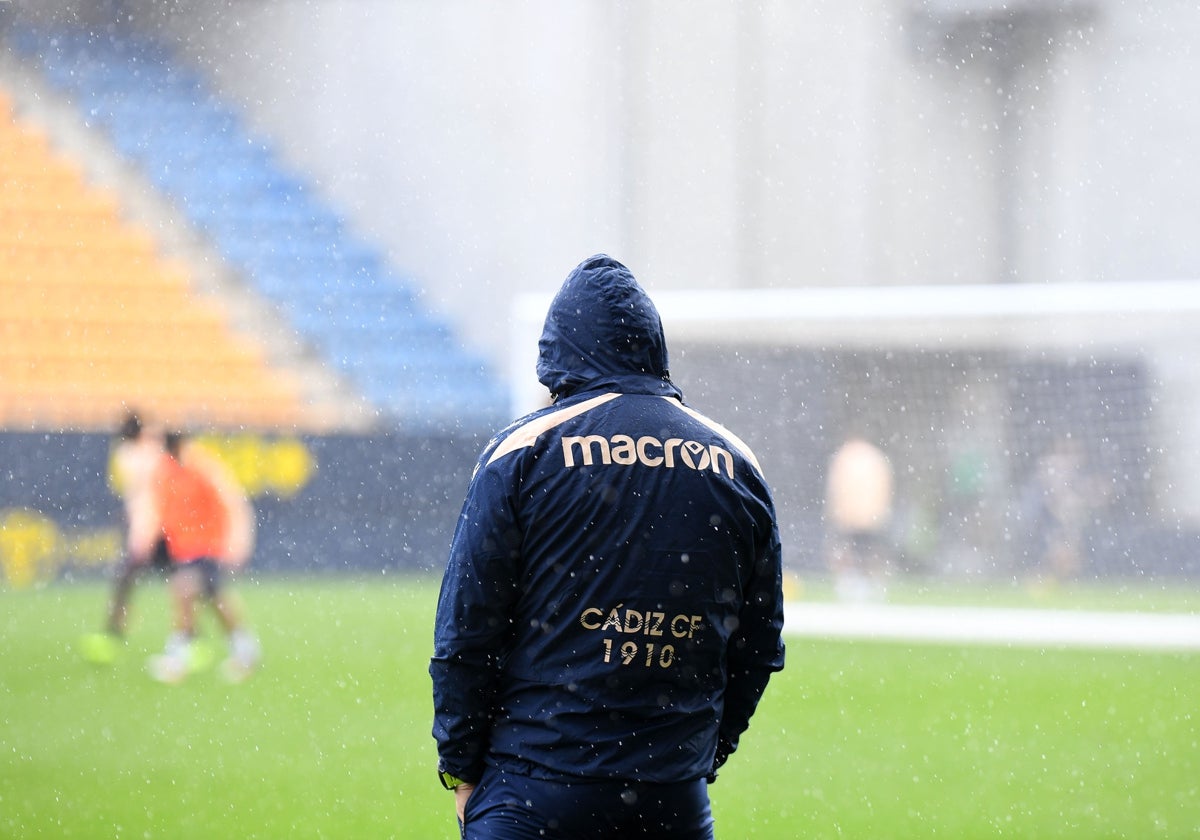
(268, 223)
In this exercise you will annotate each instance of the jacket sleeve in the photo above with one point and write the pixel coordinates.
(756, 650)
(473, 627)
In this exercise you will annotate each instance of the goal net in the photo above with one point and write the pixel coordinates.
(1019, 420)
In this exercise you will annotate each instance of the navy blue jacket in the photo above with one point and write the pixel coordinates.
(612, 605)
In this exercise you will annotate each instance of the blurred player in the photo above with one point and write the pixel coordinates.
(858, 510)
(135, 456)
(208, 524)
(1057, 504)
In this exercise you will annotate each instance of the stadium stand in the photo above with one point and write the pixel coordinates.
(270, 226)
(93, 318)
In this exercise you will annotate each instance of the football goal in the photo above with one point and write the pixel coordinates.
(1006, 411)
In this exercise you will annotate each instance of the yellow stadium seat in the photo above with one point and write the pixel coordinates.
(92, 319)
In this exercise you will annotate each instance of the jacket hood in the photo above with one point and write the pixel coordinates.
(603, 330)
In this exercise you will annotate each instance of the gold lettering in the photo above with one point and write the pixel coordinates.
(613, 621)
(686, 625)
(283, 467)
(717, 452)
(648, 451)
(644, 456)
(669, 451)
(95, 548)
(30, 549)
(587, 615)
(624, 450)
(585, 449)
(654, 625)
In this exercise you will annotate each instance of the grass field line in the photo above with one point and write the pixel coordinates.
(994, 625)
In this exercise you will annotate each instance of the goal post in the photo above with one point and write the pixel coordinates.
(969, 390)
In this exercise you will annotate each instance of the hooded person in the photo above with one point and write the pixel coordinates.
(611, 609)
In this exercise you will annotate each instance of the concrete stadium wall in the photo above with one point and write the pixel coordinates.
(488, 147)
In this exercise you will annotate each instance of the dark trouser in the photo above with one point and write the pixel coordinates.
(209, 574)
(506, 806)
(123, 581)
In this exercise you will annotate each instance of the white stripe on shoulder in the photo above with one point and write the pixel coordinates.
(531, 431)
(737, 442)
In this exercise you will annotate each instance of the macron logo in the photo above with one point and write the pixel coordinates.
(647, 451)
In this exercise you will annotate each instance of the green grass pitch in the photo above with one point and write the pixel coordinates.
(331, 738)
